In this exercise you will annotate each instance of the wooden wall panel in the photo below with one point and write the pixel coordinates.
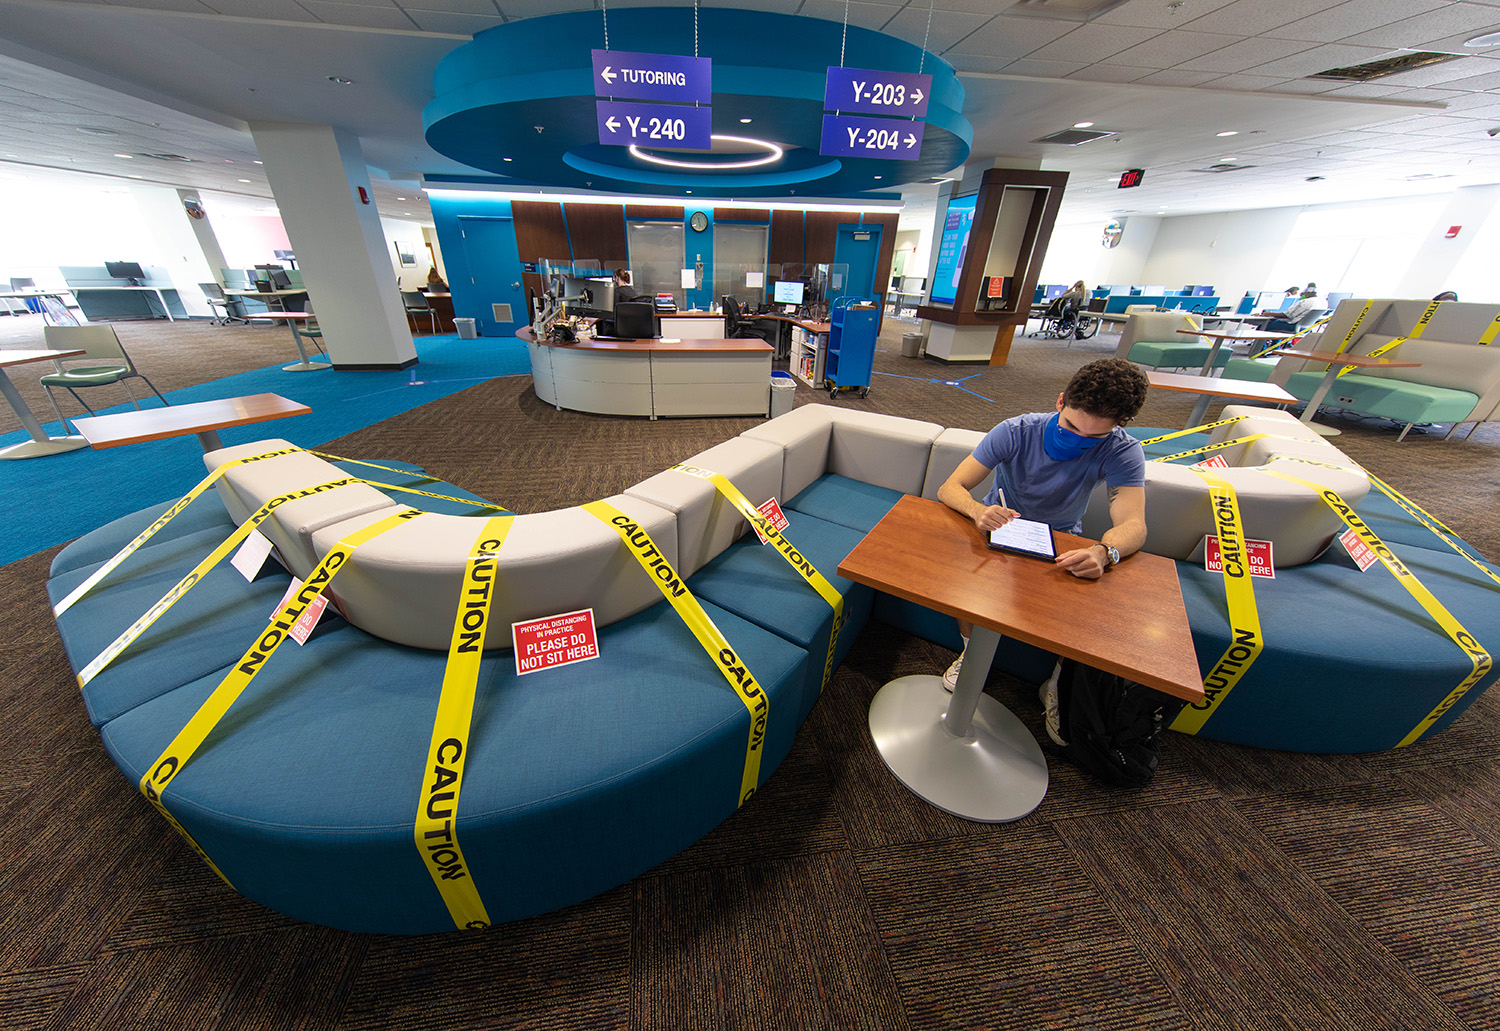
(540, 230)
(823, 233)
(655, 212)
(761, 215)
(786, 237)
(597, 231)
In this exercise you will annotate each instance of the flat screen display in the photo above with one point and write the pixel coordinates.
(124, 269)
(787, 291)
(953, 246)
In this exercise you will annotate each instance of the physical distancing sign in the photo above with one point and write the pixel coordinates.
(553, 641)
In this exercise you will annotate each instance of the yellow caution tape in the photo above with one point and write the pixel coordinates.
(1227, 443)
(795, 558)
(1195, 429)
(1245, 640)
(1479, 658)
(1490, 332)
(430, 494)
(150, 531)
(751, 694)
(1416, 333)
(1431, 522)
(182, 586)
(436, 826)
(182, 748)
(1354, 328)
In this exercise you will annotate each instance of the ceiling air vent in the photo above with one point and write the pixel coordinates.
(1385, 66)
(1222, 167)
(1074, 137)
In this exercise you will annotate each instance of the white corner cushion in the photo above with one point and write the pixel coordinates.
(950, 449)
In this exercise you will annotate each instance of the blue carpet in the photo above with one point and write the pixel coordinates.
(60, 497)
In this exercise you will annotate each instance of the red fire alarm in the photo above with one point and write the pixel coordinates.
(364, 198)
(1452, 232)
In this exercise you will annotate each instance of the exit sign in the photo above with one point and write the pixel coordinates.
(1131, 177)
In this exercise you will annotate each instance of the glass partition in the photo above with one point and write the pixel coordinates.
(740, 263)
(656, 258)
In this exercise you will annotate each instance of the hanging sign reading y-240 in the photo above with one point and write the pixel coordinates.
(878, 93)
(622, 123)
(673, 77)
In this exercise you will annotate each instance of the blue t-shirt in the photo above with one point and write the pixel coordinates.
(1053, 492)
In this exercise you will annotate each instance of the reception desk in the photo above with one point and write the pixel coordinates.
(655, 378)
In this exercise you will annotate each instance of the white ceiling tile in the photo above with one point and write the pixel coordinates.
(1254, 17)
(186, 6)
(454, 22)
(947, 29)
(1012, 36)
(278, 10)
(1248, 53)
(977, 62)
(1170, 49)
(1444, 30)
(1109, 73)
(985, 7)
(1353, 17)
(1177, 77)
(1319, 59)
(1243, 82)
(1043, 69)
(1471, 103)
(515, 9)
(865, 15)
(1464, 73)
(362, 15)
(1092, 43)
(477, 7)
(1154, 14)
(1367, 89)
(1305, 87)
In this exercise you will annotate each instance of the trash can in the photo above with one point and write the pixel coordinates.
(783, 389)
(466, 329)
(911, 345)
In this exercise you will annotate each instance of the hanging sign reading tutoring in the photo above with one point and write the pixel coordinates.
(877, 93)
(554, 641)
(674, 77)
(850, 136)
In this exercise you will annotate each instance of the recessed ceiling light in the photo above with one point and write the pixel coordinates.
(1489, 39)
(406, 212)
(341, 80)
(260, 162)
(744, 121)
(400, 198)
(880, 177)
(137, 177)
(127, 157)
(244, 180)
(508, 159)
(1083, 125)
(1230, 132)
(1229, 159)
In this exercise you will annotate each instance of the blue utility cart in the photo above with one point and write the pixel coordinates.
(853, 323)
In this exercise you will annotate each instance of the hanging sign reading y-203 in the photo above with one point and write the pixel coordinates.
(873, 92)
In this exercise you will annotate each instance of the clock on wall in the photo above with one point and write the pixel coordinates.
(699, 221)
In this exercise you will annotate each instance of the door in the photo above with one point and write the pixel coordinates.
(494, 275)
(858, 249)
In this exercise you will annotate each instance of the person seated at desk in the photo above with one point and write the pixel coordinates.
(435, 283)
(623, 290)
(1308, 304)
(1047, 463)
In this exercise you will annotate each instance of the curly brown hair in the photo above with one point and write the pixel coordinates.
(1110, 388)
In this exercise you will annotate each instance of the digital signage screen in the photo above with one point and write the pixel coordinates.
(953, 247)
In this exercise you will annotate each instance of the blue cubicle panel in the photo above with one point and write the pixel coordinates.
(1117, 303)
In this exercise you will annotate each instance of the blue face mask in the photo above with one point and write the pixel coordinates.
(1063, 445)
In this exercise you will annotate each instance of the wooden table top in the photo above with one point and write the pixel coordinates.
(104, 431)
(1244, 334)
(1363, 361)
(1243, 389)
(9, 358)
(1131, 621)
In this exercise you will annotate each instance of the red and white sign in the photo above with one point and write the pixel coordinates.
(554, 641)
(1212, 462)
(772, 511)
(1358, 550)
(1259, 557)
(303, 628)
(1452, 232)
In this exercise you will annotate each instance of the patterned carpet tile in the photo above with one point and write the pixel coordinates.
(1009, 933)
(1424, 888)
(1246, 937)
(776, 945)
(30, 998)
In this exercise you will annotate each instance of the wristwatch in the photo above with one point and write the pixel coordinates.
(1111, 555)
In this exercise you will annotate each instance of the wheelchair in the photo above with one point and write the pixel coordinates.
(1064, 320)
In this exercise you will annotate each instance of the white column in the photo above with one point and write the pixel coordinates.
(1433, 264)
(317, 173)
(178, 245)
(203, 231)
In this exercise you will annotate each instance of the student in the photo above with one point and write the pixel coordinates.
(1047, 463)
(435, 282)
(623, 290)
(1446, 295)
(1305, 305)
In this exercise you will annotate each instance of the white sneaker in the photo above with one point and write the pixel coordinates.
(1047, 695)
(950, 678)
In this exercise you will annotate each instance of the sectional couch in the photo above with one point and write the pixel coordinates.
(581, 777)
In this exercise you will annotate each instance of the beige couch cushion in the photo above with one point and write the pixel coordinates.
(885, 450)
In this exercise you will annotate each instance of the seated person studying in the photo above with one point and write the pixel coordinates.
(1046, 464)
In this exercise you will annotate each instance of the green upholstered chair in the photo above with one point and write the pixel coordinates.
(103, 362)
(1152, 339)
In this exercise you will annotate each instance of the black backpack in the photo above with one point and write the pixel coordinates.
(1112, 725)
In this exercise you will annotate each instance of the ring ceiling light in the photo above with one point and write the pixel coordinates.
(773, 154)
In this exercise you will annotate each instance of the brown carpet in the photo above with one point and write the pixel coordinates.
(1242, 890)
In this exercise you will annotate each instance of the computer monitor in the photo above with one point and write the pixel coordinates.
(1055, 290)
(130, 270)
(1272, 300)
(590, 296)
(286, 256)
(788, 291)
(280, 280)
(635, 319)
(1203, 291)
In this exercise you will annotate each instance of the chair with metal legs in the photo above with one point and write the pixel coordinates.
(106, 362)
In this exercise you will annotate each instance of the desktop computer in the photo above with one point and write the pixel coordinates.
(130, 270)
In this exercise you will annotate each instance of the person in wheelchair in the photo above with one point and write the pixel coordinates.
(1064, 316)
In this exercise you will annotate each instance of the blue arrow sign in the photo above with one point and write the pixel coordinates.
(878, 93)
(852, 136)
(620, 73)
(654, 125)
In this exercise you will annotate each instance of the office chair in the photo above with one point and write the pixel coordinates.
(416, 305)
(214, 294)
(108, 364)
(733, 327)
